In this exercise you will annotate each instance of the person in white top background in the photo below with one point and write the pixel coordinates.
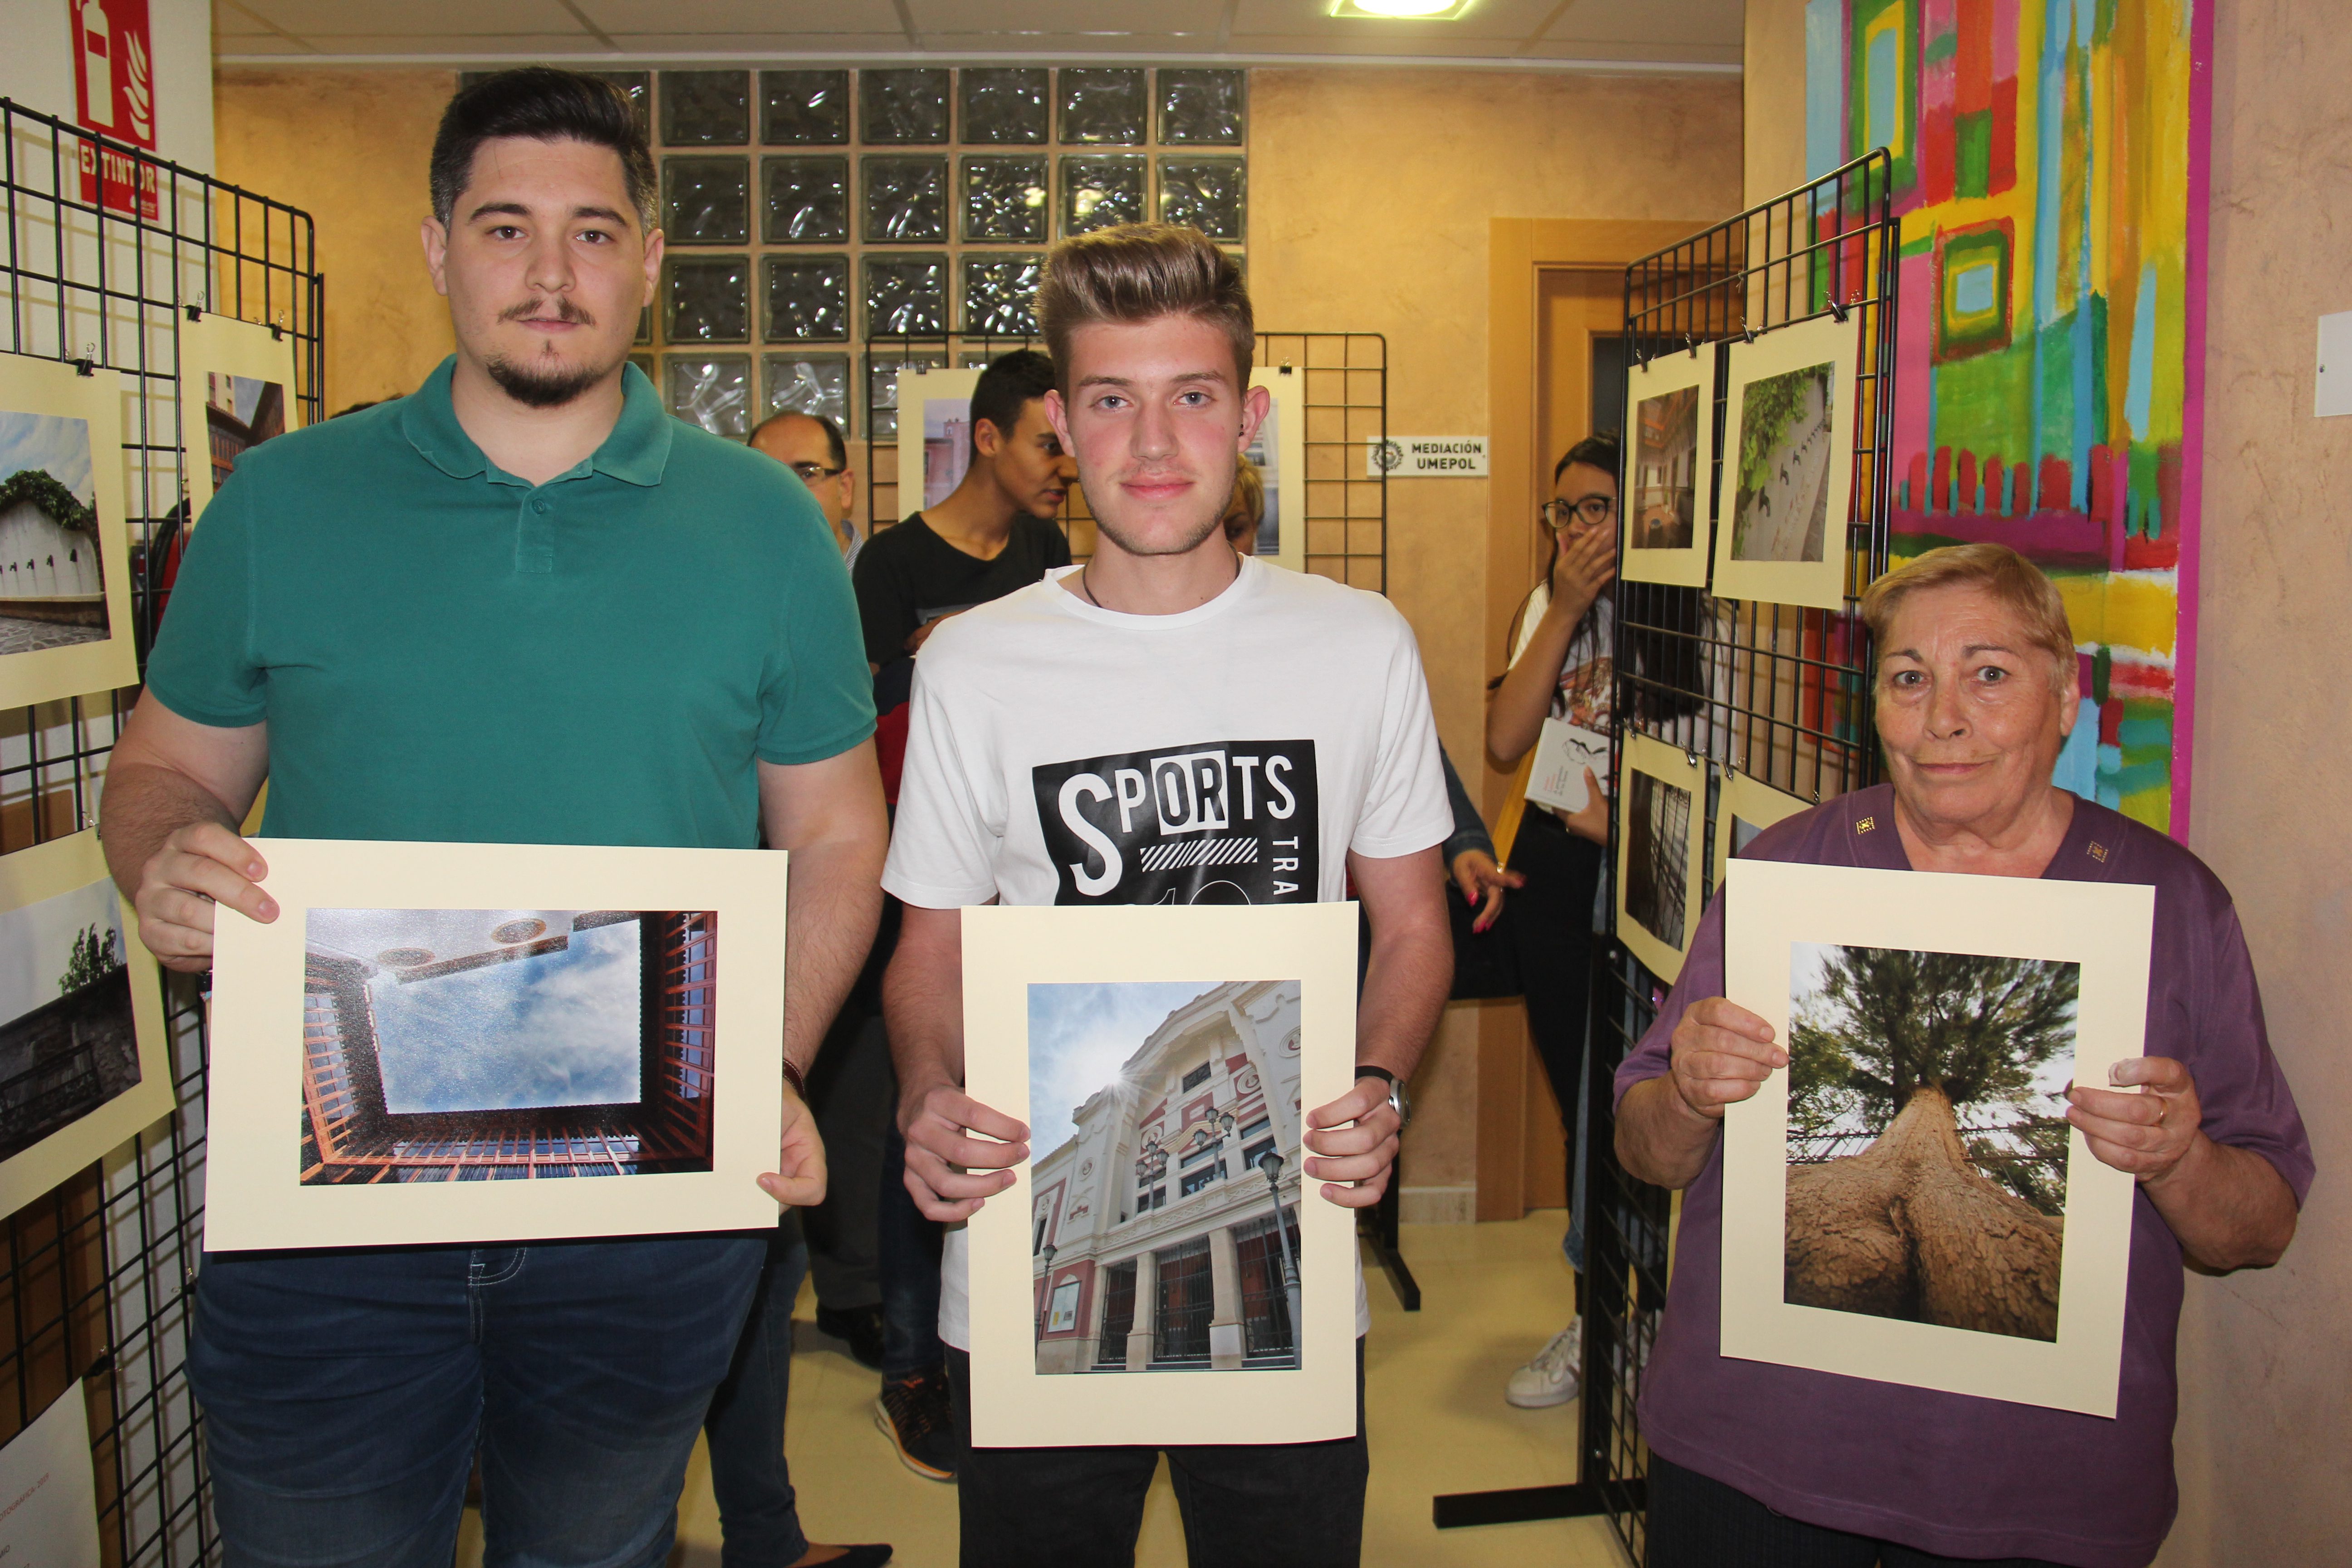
(1167, 643)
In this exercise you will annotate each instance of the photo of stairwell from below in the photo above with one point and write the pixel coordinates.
(1927, 1137)
(507, 1044)
(1164, 1221)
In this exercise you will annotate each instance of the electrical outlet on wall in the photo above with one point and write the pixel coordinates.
(2333, 388)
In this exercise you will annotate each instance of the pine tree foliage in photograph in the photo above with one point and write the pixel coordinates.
(1943, 1072)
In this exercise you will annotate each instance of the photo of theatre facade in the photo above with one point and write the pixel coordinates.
(1165, 1256)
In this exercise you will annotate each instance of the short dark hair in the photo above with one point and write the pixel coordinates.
(1010, 384)
(1600, 451)
(836, 447)
(543, 104)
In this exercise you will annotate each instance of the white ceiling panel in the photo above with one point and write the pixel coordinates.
(695, 18)
(339, 19)
(1075, 18)
(1641, 21)
(665, 32)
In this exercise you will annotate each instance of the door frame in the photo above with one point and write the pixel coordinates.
(1519, 249)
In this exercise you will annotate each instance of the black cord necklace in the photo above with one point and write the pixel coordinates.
(1097, 603)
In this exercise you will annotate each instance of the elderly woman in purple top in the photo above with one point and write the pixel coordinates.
(1757, 1463)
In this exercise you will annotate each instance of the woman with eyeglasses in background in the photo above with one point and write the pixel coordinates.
(1562, 666)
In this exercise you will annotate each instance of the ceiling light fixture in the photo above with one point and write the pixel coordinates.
(1400, 10)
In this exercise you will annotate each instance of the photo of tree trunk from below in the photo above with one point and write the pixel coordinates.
(1927, 1140)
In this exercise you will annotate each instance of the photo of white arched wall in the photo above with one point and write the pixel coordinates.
(1171, 1112)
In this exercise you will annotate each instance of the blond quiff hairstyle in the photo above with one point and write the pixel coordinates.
(2013, 582)
(1140, 272)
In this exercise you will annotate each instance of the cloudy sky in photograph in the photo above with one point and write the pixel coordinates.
(58, 447)
(555, 1028)
(1080, 1037)
(36, 942)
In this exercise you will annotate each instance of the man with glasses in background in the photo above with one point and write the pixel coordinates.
(811, 445)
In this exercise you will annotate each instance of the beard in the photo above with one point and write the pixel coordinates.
(1211, 521)
(546, 383)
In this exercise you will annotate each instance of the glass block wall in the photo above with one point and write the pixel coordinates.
(809, 210)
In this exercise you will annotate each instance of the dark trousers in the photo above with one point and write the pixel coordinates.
(1696, 1522)
(1550, 921)
(345, 1396)
(910, 1247)
(759, 1516)
(1275, 1505)
(854, 1095)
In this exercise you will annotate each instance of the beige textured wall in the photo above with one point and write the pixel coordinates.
(1369, 195)
(1774, 154)
(350, 148)
(2266, 1418)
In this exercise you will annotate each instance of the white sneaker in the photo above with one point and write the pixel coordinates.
(1553, 1377)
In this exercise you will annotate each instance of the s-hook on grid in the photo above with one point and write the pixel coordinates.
(1779, 693)
(1346, 399)
(95, 1277)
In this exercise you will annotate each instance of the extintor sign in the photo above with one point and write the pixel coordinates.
(114, 91)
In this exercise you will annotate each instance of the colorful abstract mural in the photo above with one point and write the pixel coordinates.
(2048, 165)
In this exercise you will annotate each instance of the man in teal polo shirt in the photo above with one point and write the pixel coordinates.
(521, 605)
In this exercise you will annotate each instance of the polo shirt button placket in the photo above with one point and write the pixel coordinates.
(535, 538)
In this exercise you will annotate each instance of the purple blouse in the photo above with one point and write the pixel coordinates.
(1949, 1473)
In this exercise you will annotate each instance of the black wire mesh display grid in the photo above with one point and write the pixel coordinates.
(1345, 376)
(1775, 692)
(95, 1277)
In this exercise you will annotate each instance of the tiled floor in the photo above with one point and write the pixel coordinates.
(1492, 1295)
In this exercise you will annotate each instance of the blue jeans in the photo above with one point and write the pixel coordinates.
(759, 1522)
(344, 1395)
(910, 1248)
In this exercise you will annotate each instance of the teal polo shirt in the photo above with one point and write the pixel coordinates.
(443, 651)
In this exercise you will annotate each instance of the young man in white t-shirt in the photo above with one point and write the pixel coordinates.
(1294, 713)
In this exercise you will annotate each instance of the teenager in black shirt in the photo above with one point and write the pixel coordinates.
(994, 533)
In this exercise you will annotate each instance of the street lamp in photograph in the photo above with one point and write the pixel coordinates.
(1046, 1306)
(1271, 1164)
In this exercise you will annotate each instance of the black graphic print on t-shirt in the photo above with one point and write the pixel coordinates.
(1214, 822)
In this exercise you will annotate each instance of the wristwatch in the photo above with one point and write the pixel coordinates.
(1399, 1100)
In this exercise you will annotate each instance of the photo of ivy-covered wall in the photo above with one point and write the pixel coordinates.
(1782, 512)
(52, 588)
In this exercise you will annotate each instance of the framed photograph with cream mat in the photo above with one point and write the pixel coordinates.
(1906, 1201)
(496, 1042)
(1164, 1059)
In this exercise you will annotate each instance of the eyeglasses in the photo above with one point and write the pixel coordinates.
(812, 472)
(1594, 510)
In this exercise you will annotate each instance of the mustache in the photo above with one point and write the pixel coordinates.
(562, 308)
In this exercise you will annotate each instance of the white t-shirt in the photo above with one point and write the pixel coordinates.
(1051, 742)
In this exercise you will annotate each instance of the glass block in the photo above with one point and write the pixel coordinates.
(706, 201)
(1000, 294)
(807, 201)
(808, 296)
(714, 392)
(1006, 106)
(1207, 193)
(1005, 200)
(807, 109)
(906, 199)
(707, 300)
(1103, 106)
(706, 109)
(882, 389)
(645, 363)
(645, 326)
(1098, 193)
(809, 383)
(908, 108)
(1206, 108)
(906, 296)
